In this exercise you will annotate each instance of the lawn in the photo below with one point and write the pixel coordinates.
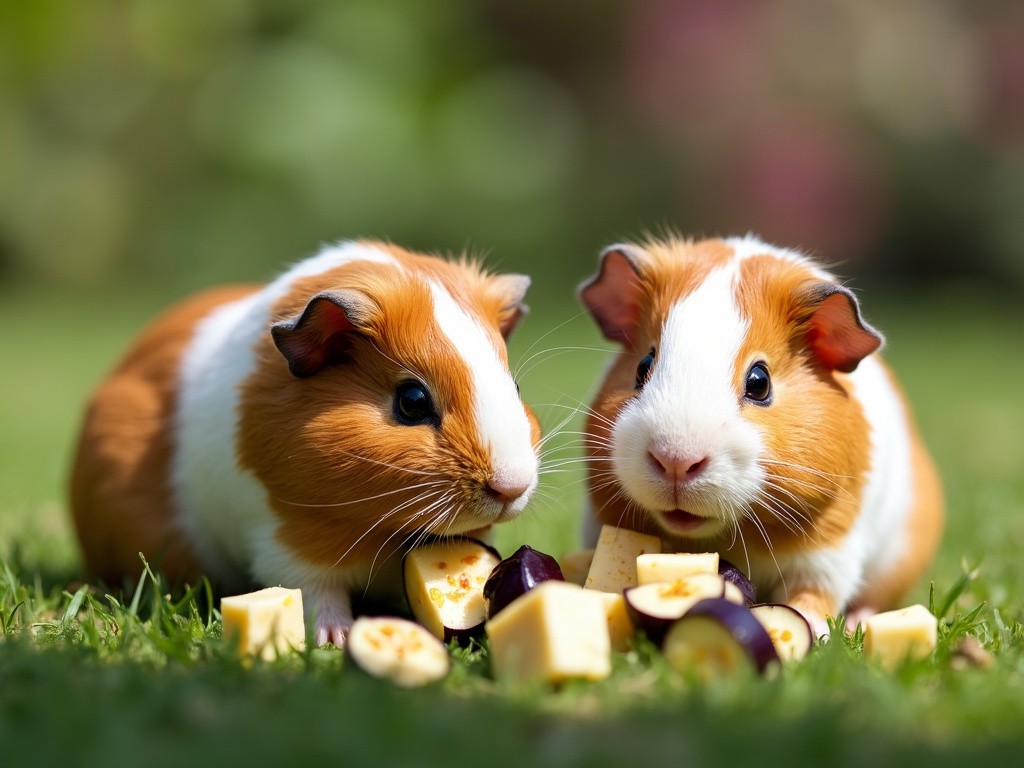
(91, 680)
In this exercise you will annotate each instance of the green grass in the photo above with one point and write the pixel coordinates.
(143, 679)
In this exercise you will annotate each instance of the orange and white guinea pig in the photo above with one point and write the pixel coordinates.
(307, 431)
(748, 412)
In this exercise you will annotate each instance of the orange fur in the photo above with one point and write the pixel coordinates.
(815, 422)
(119, 491)
(325, 447)
(292, 442)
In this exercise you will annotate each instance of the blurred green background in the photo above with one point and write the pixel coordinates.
(149, 148)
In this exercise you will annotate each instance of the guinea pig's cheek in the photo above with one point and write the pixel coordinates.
(741, 477)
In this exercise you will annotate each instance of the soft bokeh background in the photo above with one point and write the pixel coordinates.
(152, 147)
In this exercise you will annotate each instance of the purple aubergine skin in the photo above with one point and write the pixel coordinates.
(730, 572)
(798, 618)
(742, 625)
(654, 627)
(516, 575)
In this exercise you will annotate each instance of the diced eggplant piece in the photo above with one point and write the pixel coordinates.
(654, 607)
(620, 625)
(444, 585)
(517, 574)
(267, 623)
(555, 632)
(614, 565)
(718, 638)
(893, 637)
(576, 565)
(669, 566)
(787, 628)
(734, 575)
(398, 650)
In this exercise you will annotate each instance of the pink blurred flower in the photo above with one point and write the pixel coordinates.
(807, 183)
(690, 63)
(1002, 99)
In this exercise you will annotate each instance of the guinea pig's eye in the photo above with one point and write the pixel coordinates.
(759, 385)
(413, 405)
(643, 371)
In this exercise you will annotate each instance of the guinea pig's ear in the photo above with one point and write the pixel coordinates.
(836, 331)
(318, 335)
(613, 294)
(511, 289)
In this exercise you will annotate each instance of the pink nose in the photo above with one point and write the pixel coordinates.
(675, 467)
(505, 490)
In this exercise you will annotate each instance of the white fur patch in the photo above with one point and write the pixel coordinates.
(502, 425)
(749, 246)
(888, 496)
(224, 509)
(878, 536)
(689, 407)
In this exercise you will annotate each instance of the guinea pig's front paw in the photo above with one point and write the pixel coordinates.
(333, 620)
(334, 633)
(813, 607)
(819, 624)
(858, 616)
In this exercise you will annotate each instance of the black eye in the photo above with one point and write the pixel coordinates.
(412, 404)
(643, 371)
(759, 385)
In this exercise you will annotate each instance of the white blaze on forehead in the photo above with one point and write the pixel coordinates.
(749, 246)
(501, 422)
(692, 384)
(690, 408)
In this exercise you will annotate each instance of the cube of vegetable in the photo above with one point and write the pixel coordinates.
(655, 567)
(620, 627)
(520, 572)
(555, 632)
(906, 634)
(266, 623)
(576, 565)
(444, 584)
(614, 566)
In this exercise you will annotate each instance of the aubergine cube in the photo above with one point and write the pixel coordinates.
(444, 584)
(516, 575)
(718, 638)
(732, 574)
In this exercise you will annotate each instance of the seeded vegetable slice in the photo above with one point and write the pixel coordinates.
(398, 650)
(517, 574)
(654, 607)
(718, 638)
(444, 583)
(788, 629)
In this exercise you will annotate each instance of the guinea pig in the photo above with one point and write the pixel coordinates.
(306, 432)
(749, 412)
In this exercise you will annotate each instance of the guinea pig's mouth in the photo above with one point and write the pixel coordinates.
(681, 521)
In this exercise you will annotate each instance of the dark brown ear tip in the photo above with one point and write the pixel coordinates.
(307, 340)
